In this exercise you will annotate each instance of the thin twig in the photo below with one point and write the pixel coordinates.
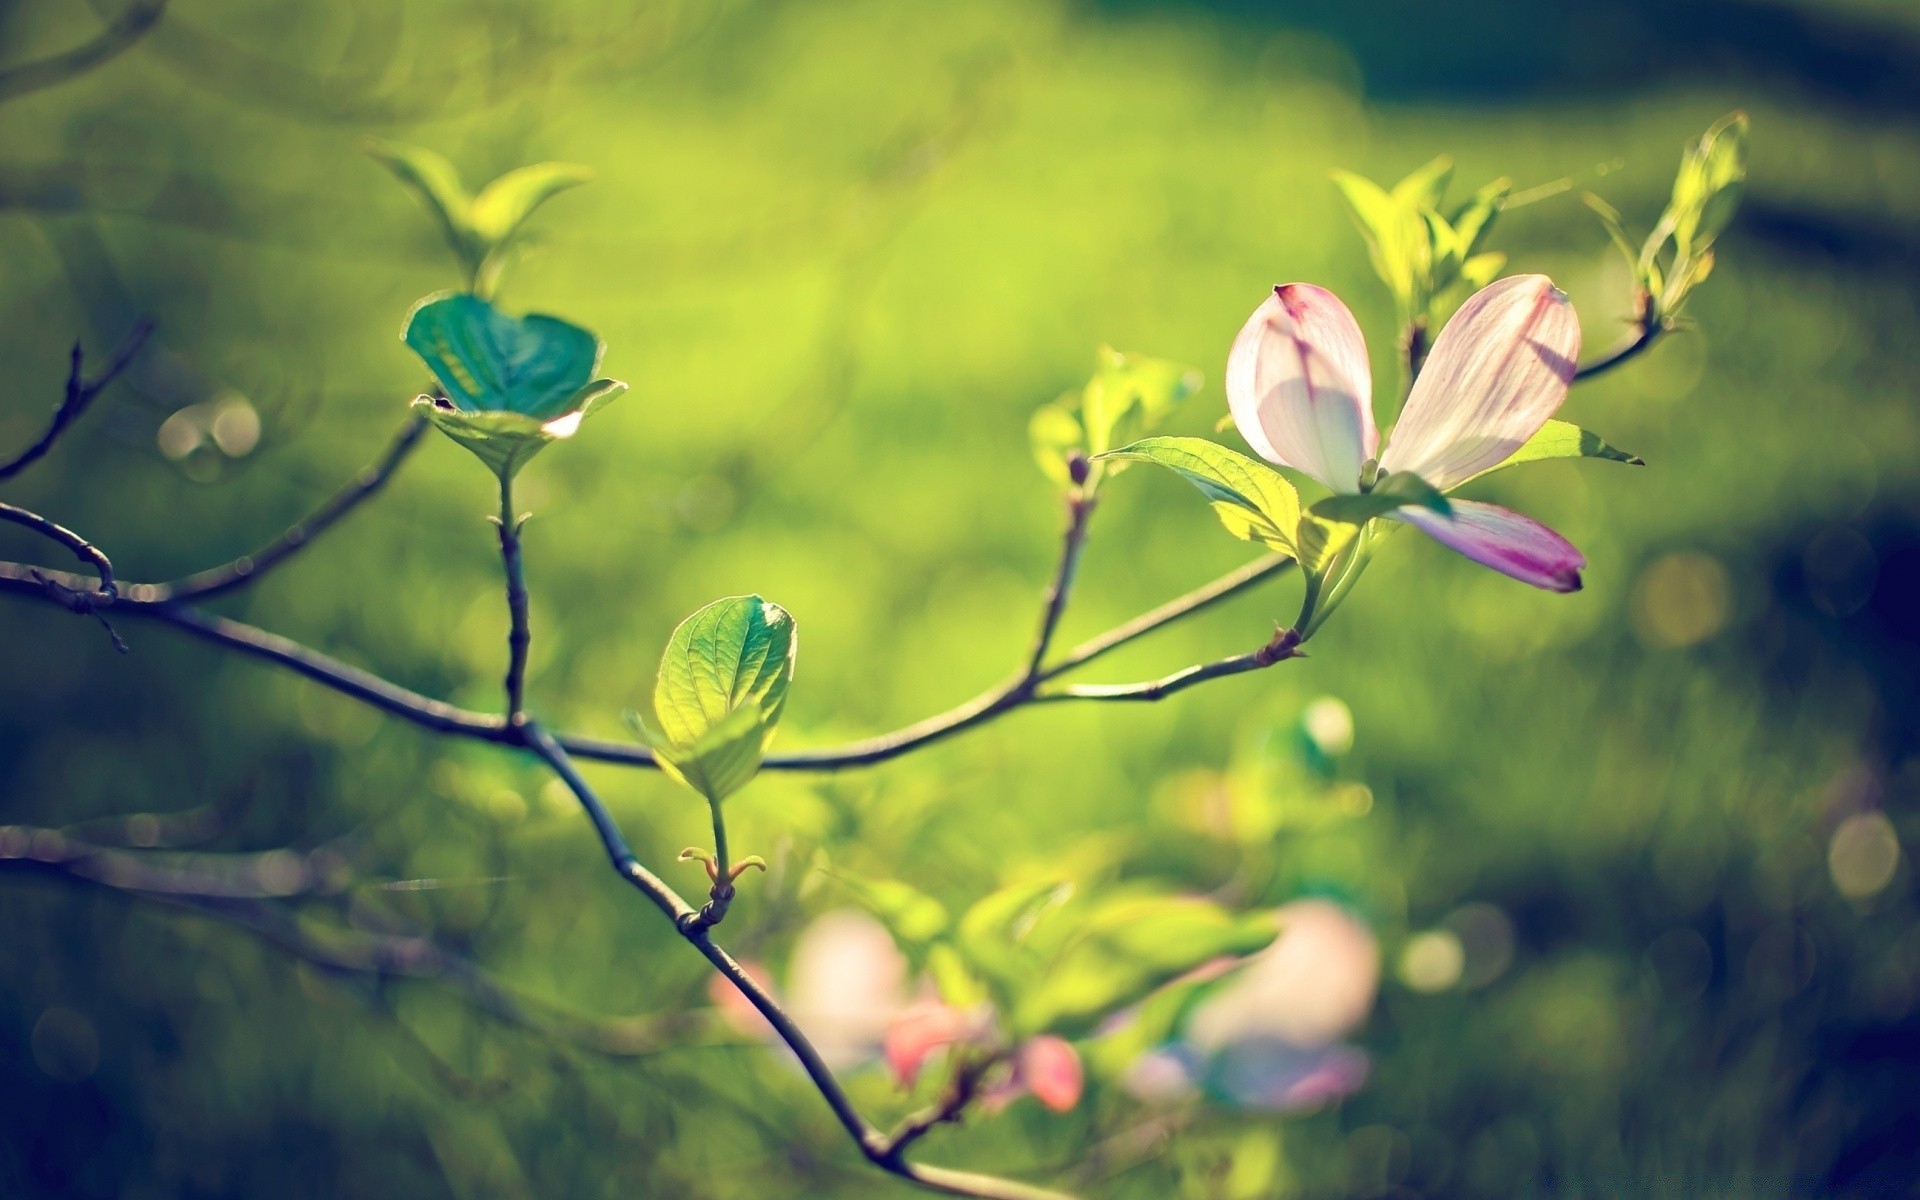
(1230, 584)
(519, 638)
(441, 717)
(82, 549)
(1284, 645)
(84, 600)
(1647, 328)
(80, 393)
(248, 568)
(1054, 604)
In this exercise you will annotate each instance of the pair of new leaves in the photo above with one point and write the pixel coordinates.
(1050, 960)
(1678, 254)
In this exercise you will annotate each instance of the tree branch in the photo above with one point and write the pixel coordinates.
(1054, 604)
(80, 392)
(1284, 645)
(250, 567)
(131, 25)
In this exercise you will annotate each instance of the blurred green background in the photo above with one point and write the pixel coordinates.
(1633, 856)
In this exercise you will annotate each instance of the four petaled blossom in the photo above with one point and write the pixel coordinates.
(1301, 392)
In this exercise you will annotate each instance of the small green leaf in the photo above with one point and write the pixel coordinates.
(503, 205)
(1056, 435)
(1561, 439)
(1616, 232)
(490, 362)
(1254, 501)
(1124, 950)
(1426, 186)
(722, 684)
(1321, 541)
(505, 441)
(1474, 219)
(436, 182)
(914, 918)
(1398, 490)
(992, 935)
(1130, 394)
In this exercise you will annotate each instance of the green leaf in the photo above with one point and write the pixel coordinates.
(1473, 220)
(1708, 187)
(436, 182)
(1125, 949)
(1561, 439)
(1254, 501)
(1616, 232)
(1426, 186)
(1398, 490)
(1056, 435)
(503, 205)
(487, 361)
(504, 441)
(722, 684)
(1321, 541)
(914, 918)
(992, 936)
(1396, 237)
(1130, 394)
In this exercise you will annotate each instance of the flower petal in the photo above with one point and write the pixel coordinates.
(1299, 387)
(918, 1032)
(1499, 369)
(1504, 540)
(1050, 1069)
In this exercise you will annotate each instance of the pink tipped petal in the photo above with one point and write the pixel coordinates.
(917, 1033)
(1499, 369)
(1504, 540)
(1050, 1069)
(1299, 387)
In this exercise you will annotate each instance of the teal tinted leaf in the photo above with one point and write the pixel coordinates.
(1397, 490)
(1562, 439)
(1130, 394)
(502, 440)
(488, 361)
(1125, 949)
(1254, 501)
(501, 206)
(436, 183)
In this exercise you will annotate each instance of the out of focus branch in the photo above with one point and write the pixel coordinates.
(80, 393)
(251, 891)
(129, 27)
(248, 568)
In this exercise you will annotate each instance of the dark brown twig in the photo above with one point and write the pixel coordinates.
(80, 393)
(248, 568)
(129, 27)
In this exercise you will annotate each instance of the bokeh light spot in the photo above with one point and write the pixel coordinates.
(1863, 855)
(1681, 599)
(1432, 962)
